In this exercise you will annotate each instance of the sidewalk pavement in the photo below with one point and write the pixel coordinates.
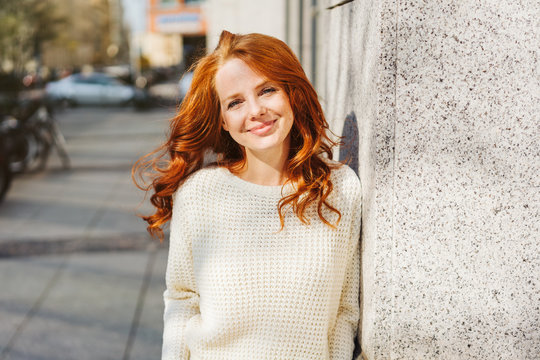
(80, 277)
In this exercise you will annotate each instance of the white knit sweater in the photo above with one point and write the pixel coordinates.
(238, 288)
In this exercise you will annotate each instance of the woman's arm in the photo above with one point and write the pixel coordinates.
(341, 340)
(181, 298)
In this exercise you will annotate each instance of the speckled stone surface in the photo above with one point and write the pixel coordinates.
(447, 97)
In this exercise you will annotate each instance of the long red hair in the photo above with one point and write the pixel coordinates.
(197, 129)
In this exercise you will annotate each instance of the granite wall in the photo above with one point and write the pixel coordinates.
(445, 95)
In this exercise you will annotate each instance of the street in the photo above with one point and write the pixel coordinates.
(80, 277)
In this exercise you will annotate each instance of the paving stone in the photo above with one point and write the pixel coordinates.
(22, 281)
(88, 313)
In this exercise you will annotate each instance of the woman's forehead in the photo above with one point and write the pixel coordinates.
(235, 75)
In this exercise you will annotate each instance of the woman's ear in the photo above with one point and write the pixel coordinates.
(224, 124)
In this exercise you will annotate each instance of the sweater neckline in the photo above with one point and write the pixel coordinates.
(256, 189)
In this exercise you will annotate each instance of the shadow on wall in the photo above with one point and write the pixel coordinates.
(348, 152)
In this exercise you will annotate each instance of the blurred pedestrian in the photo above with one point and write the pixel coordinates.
(264, 257)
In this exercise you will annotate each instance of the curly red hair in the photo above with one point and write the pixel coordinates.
(197, 129)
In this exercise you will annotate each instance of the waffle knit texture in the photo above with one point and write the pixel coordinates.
(239, 288)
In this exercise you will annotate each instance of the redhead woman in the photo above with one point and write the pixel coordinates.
(264, 243)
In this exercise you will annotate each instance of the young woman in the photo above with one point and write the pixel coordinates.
(264, 257)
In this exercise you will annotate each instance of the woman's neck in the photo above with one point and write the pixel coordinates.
(265, 168)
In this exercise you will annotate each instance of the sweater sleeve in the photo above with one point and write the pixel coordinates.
(341, 339)
(180, 297)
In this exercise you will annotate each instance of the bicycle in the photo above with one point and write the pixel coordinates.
(32, 131)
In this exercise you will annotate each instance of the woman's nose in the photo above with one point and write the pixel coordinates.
(256, 108)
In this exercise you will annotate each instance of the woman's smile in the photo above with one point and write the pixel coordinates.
(263, 128)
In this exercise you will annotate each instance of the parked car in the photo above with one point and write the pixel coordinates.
(93, 88)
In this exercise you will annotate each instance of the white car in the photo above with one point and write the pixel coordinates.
(93, 88)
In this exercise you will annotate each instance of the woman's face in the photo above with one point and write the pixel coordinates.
(255, 111)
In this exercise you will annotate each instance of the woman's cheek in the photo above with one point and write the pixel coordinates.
(238, 122)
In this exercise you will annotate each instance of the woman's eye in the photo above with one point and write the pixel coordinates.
(233, 104)
(268, 90)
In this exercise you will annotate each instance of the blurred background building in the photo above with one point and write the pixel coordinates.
(176, 32)
(62, 35)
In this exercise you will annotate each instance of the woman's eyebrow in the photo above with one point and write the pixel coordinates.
(230, 97)
(265, 83)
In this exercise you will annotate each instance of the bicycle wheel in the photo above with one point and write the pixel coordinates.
(44, 143)
(25, 151)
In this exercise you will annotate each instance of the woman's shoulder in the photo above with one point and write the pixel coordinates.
(206, 173)
(199, 183)
(343, 175)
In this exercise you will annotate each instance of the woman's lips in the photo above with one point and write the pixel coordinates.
(263, 128)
